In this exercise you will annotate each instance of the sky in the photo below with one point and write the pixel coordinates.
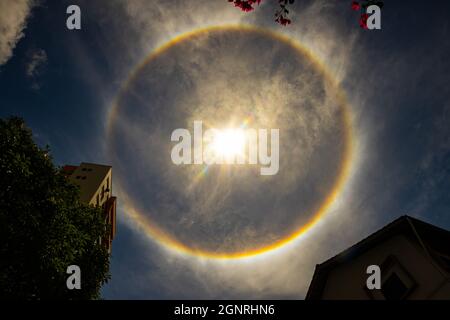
(363, 117)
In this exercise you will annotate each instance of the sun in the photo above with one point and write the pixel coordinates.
(228, 143)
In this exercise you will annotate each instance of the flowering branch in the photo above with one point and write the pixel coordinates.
(280, 15)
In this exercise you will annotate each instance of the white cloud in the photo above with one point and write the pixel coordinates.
(13, 17)
(35, 67)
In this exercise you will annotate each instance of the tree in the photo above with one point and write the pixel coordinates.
(280, 15)
(44, 228)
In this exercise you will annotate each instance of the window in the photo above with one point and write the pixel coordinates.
(396, 282)
(84, 178)
(103, 191)
(98, 199)
(78, 177)
(108, 190)
(394, 288)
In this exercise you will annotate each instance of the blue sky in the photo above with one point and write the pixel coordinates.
(64, 84)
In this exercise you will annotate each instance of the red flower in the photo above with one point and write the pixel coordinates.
(356, 6)
(283, 21)
(363, 20)
(248, 5)
(245, 5)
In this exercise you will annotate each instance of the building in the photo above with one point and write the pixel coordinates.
(95, 182)
(414, 260)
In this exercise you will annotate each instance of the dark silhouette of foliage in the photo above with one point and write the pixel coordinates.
(44, 227)
(280, 15)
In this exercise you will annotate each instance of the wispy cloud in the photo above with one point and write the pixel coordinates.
(36, 66)
(37, 61)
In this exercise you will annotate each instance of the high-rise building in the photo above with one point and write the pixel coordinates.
(95, 182)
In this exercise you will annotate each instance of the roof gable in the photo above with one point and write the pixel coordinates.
(434, 240)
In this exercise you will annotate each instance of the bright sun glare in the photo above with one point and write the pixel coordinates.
(229, 142)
